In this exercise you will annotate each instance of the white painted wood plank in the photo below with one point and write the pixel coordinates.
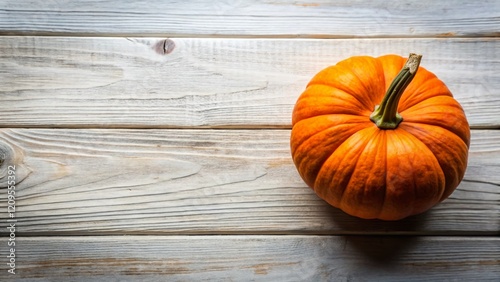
(257, 258)
(118, 82)
(324, 18)
(207, 182)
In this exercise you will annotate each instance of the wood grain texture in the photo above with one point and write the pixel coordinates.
(243, 18)
(258, 258)
(245, 83)
(207, 182)
(110, 133)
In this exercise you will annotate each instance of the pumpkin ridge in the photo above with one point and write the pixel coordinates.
(336, 107)
(312, 103)
(345, 68)
(415, 124)
(356, 101)
(343, 89)
(456, 174)
(464, 139)
(335, 114)
(418, 88)
(409, 107)
(415, 184)
(414, 141)
(359, 126)
(363, 82)
(409, 141)
(365, 140)
(405, 105)
(422, 143)
(382, 207)
(382, 139)
(369, 138)
(405, 142)
(328, 127)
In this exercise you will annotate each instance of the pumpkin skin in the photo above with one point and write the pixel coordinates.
(371, 172)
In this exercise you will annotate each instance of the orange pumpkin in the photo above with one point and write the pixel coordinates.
(389, 161)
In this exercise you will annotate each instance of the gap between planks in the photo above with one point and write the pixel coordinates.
(452, 234)
(482, 36)
(273, 258)
(166, 127)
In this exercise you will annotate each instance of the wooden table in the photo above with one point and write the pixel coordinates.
(150, 141)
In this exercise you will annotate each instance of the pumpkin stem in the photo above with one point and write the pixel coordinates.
(386, 115)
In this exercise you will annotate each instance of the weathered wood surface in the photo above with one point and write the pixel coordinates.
(258, 258)
(132, 92)
(243, 18)
(85, 181)
(246, 83)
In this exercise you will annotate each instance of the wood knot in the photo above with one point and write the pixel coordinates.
(6, 154)
(164, 47)
(11, 160)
